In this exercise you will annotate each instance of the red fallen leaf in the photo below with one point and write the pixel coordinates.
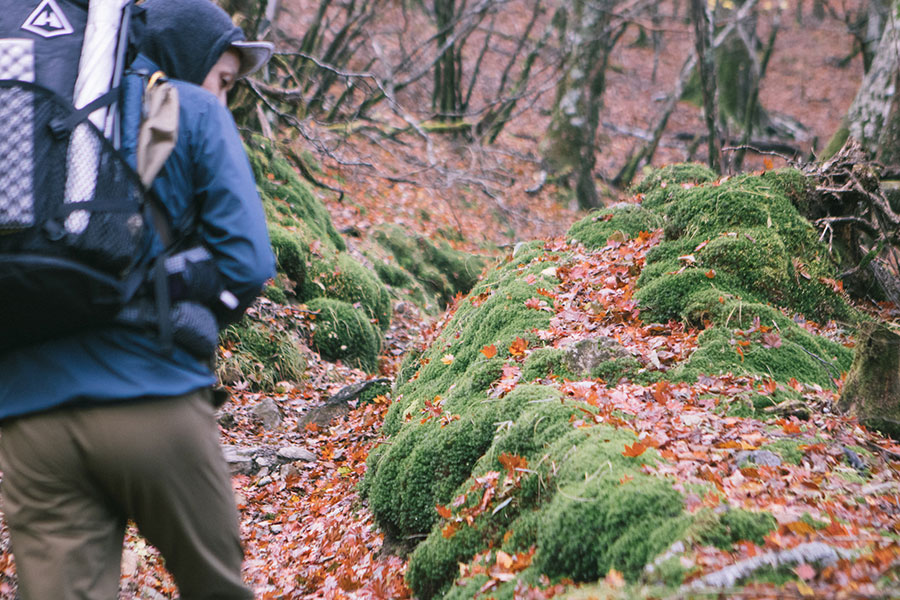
(480, 298)
(450, 529)
(512, 462)
(721, 300)
(625, 479)
(711, 273)
(800, 528)
(791, 428)
(636, 449)
(614, 579)
(312, 428)
(770, 340)
(432, 409)
(740, 352)
(661, 391)
(518, 347)
(543, 292)
(837, 286)
(535, 303)
(489, 351)
(768, 163)
(701, 246)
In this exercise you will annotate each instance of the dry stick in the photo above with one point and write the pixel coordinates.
(645, 154)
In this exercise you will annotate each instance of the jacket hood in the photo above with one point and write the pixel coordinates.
(185, 38)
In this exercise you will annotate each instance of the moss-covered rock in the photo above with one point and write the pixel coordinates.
(604, 524)
(431, 273)
(677, 174)
(341, 277)
(734, 526)
(288, 200)
(343, 332)
(257, 355)
(745, 239)
(872, 389)
(630, 219)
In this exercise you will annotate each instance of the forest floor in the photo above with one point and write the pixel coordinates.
(307, 533)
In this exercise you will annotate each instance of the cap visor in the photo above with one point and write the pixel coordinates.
(253, 55)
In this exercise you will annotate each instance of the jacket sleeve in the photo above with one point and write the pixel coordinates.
(231, 220)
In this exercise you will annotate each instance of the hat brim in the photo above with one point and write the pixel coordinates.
(253, 55)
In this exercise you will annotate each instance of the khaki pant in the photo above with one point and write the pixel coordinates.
(71, 479)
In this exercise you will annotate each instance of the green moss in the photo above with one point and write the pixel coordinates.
(259, 356)
(666, 297)
(291, 250)
(341, 277)
(343, 332)
(440, 270)
(286, 195)
(275, 293)
(601, 524)
(594, 230)
(801, 356)
(737, 525)
(543, 362)
(611, 371)
(674, 175)
(392, 275)
(788, 449)
(426, 462)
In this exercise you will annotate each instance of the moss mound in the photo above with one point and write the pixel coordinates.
(343, 332)
(743, 238)
(256, 354)
(286, 197)
(674, 175)
(484, 395)
(629, 219)
(311, 255)
(430, 274)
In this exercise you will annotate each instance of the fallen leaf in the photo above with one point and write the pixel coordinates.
(805, 571)
(636, 449)
(518, 347)
(489, 351)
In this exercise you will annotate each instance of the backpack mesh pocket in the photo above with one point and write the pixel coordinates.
(65, 192)
(16, 136)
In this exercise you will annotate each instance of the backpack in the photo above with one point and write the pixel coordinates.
(74, 216)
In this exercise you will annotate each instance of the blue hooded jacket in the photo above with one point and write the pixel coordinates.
(207, 175)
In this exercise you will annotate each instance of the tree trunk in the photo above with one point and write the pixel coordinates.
(707, 69)
(872, 389)
(570, 146)
(871, 109)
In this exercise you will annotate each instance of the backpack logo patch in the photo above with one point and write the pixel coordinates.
(48, 20)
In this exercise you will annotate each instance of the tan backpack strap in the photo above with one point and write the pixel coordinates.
(159, 127)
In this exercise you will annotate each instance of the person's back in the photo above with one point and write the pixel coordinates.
(111, 424)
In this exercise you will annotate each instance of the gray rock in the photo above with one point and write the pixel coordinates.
(338, 404)
(760, 458)
(240, 460)
(267, 413)
(292, 453)
(226, 420)
(584, 355)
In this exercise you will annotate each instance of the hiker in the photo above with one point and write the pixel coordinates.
(109, 425)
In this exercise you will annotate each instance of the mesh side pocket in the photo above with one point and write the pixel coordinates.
(110, 234)
(16, 136)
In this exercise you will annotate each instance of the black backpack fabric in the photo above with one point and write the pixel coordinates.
(64, 265)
